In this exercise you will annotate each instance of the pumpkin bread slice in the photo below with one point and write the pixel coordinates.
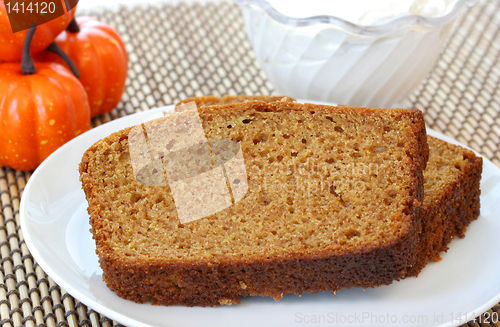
(333, 202)
(451, 202)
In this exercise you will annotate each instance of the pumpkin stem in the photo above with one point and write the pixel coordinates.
(27, 65)
(73, 27)
(54, 48)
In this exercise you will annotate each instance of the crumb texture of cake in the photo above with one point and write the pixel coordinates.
(333, 202)
(451, 202)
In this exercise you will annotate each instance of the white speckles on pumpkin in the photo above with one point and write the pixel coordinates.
(78, 132)
(44, 142)
(52, 122)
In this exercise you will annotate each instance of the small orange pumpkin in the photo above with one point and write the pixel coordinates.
(40, 109)
(99, 54)
(11, 44)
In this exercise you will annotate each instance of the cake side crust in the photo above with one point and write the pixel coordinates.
(452, 201)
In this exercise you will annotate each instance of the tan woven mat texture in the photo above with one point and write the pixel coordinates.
(178, 50)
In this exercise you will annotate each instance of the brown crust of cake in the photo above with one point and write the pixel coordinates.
(225, 280)
(212, 100)
(211, 284)
(447, 213)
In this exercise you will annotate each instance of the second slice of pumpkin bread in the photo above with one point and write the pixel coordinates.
(451, 202)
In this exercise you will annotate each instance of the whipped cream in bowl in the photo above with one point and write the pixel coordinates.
(357, 52)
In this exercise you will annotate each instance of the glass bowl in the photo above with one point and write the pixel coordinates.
(327, 58)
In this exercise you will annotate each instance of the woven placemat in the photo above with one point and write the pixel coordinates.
(178, 50)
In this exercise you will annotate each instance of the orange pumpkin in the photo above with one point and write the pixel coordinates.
(11, 44)
(41, 108)
(99, 54)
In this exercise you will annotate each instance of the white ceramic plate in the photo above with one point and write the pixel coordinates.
(55, 225)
